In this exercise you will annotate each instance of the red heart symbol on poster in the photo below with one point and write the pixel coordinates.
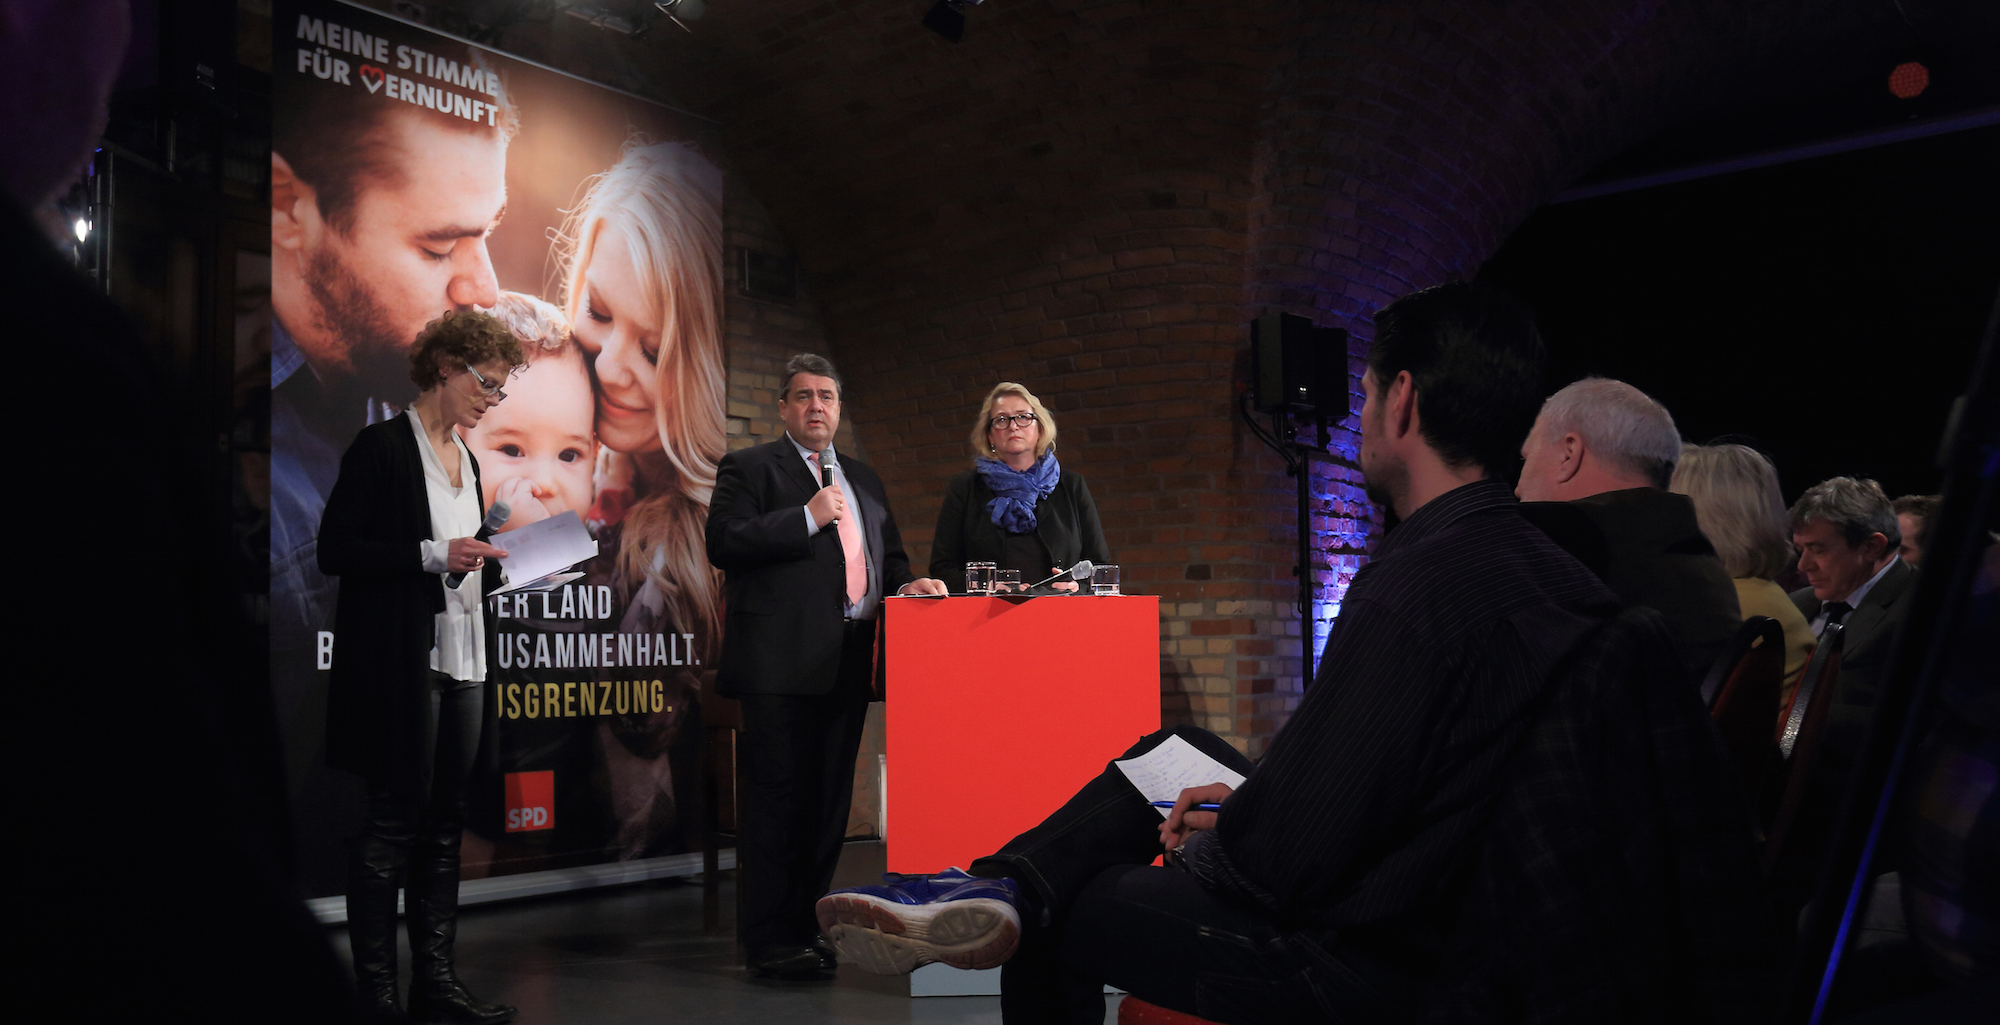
(371, 76)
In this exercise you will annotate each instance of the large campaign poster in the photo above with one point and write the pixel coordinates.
(414, 173)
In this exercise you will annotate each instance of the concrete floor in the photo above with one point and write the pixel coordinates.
(637, 954)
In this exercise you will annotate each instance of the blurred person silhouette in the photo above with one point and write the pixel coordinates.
(1913, 516)
(153, 869)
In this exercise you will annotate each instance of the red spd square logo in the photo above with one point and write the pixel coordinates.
(531, 801)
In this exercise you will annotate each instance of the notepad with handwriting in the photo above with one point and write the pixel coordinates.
(1162, 773)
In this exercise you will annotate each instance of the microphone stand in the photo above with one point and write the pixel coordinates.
(1086, 566)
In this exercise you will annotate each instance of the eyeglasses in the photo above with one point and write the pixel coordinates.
(488, 387)
(1001, 422)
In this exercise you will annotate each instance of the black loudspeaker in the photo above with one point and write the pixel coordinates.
(1296, 367)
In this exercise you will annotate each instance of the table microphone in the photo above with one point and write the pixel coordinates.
(1080, 571)
(496, 517)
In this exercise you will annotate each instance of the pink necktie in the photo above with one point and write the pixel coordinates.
(850, 546)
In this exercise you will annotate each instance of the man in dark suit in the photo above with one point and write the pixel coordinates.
(809, 548)
(1597, 465)
(1859, 589)
(1848, 541)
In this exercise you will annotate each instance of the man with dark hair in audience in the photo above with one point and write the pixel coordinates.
(1330, 881)
(1846, 532)
(1913, 517)
(1598, 462)
(154, 888)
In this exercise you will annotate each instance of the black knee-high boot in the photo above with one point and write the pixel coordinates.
(431, 906)
(373, 875)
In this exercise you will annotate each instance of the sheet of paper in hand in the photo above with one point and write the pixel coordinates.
(1162, 773)
(543, 548)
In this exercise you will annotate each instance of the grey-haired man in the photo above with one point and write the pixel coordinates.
(1594, 479)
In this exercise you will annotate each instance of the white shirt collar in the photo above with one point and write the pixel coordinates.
(1854, 600)
(432, 462)
(804, 452)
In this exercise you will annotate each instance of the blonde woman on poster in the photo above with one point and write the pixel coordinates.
(643, 295)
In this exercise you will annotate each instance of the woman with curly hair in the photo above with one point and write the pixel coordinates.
(406, 705)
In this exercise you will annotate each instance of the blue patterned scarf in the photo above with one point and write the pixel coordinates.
(1019, 490)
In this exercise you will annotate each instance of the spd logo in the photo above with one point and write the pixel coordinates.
(531, 801)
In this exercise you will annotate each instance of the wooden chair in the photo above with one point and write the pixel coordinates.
(722, 723)
(1742, 690)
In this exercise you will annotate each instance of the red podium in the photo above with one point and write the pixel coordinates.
(999, 709)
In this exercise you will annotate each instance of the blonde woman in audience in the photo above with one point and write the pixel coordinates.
(1741, 511)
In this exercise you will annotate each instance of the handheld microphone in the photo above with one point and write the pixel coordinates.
(827, 461)
(496, 516)
(1080, 571)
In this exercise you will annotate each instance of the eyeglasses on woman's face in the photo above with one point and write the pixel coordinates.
(1003, 421)
(490, 389)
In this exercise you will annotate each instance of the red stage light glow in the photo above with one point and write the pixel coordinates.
(1909, 80)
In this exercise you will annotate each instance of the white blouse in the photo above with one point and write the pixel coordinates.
(460, 650)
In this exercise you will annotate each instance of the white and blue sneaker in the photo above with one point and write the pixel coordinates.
(949, 918)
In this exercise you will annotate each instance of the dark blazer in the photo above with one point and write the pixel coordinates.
(378, 707)
(785, 592)
(1645, 545)
(1065, 520)
(1864, 655)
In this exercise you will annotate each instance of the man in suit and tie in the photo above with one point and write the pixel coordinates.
(809, 548)
(1846, 532)
(1848, 540)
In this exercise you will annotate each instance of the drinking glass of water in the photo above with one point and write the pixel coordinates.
(1104, 580)
(978, 578)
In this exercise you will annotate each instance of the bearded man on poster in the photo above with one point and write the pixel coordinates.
(380, 213)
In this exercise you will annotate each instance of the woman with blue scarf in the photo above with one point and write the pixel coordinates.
(1017, 507)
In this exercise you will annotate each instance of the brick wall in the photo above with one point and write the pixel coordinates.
(1096, 197)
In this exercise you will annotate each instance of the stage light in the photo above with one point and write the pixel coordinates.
(1909, 80)
(82, 229)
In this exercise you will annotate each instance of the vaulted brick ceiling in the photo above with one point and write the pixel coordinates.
(1096, 196)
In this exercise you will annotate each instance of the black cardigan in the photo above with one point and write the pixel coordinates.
(378, 708)
(1066, 521)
